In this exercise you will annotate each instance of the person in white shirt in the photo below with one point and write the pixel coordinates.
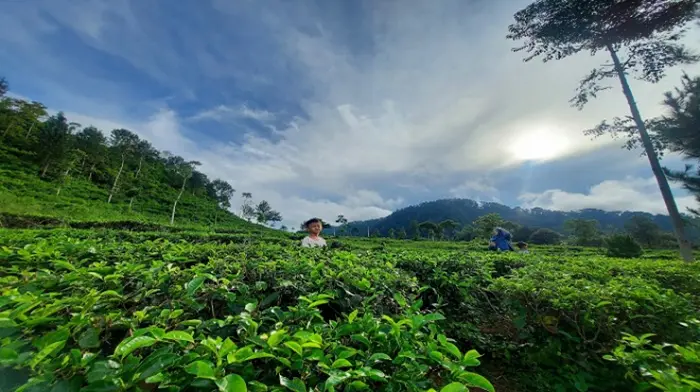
(314, 227)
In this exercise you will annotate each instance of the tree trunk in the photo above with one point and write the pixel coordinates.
(182, 190)
(686, 249)
(45, 169)
(65, 178)
(8, 128)
(136, 176)
(116, 180)
(92, 169)
(30, 130)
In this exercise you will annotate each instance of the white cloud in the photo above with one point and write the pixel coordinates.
(223, 112)
(435, 93)
(629, 194)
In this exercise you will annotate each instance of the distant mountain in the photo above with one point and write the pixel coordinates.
(465, 211)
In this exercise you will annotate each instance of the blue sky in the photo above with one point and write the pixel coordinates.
(336, 107)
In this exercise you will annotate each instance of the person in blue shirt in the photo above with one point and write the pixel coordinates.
(500, 240)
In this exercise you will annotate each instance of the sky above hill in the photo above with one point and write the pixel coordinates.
(337, 107)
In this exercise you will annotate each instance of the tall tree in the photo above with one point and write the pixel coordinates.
(182, 169)
(484, 225)
(247, 208)
(431, 228)
(123, 143)
(645, 32)
(93, 144)
(677, 131)
(644, 230)
(415, 229)
(265, 214)
(55, 142)
(341, 221)
(223, 192)
(447, 228)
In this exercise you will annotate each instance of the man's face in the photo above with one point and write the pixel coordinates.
(315, 228)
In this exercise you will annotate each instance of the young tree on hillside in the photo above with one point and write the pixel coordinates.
(74, 156)
(644, 230)
(182, 169)
(55, 141)
(123, 143)
(223, 192)
(342, 222)
(644, 32)
(247, 209)
(265, 214)
(93, 144)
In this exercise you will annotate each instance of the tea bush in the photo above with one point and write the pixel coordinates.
(113, 310)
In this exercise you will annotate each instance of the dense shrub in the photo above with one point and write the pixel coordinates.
(545, 237)
(623, 246)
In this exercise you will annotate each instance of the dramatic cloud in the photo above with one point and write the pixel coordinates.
(629, 194)
(323, 108)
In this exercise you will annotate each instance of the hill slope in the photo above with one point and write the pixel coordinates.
(465, 211)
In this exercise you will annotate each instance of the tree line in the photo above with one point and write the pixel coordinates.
(121, 162)
(581, 232)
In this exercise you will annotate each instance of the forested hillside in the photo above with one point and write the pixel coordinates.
(464, 212)
(51, 167)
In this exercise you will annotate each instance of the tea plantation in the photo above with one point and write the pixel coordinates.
(127, 310)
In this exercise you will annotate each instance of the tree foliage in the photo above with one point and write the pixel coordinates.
(545, 237)
(585, 232)
(644, 231)
(646, 31)
(120, 162)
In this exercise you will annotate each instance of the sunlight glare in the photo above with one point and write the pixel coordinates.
(540, 144)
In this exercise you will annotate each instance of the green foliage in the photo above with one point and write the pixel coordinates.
(623, 246)
(584, 232)
(113, 315)
(665, 367)
(484, 225)
(545, 237)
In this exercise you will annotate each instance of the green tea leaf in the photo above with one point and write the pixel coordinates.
(201, 369)
(318, 303)
(476, 380)
(341, 363)
(295, 385)
(129, 345)
(90, 338)
(454, 387)
(470, 358)
(294, 346)
(45, 352)
(181, 336)
(352, 316)
(379, 357)
(193, 285)
(232, 383)
(276, 338)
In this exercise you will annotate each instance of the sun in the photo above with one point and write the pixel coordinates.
(539, 144)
